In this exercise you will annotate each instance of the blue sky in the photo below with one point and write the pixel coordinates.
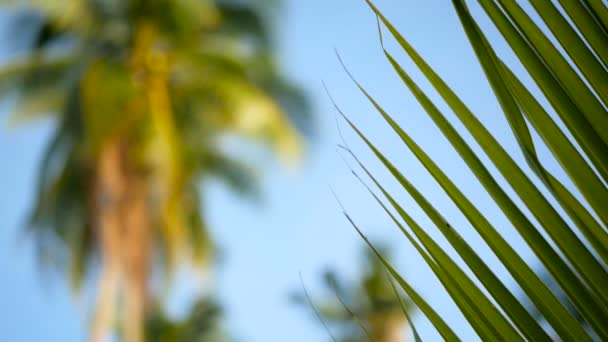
(299, 226)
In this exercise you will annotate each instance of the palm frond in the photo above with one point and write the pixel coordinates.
(576, 92)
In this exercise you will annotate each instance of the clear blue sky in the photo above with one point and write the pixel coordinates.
(299, 226)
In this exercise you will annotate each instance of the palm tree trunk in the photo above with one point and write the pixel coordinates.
(136, 244)
(109, 188)
(124, 229)
(388, 328)
(125, 217)
(106, 299)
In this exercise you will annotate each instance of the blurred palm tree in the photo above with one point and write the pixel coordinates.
(144, 94)
(201, 324)
(369, 309)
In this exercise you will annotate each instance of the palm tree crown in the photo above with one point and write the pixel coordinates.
(143, 93)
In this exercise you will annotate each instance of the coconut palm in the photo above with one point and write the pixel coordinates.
(201, 324)
(568, 63)
(144, 95)
(368, 309)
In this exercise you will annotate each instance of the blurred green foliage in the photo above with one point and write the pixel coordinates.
(203, 323)
(144, 95)
(369, 308)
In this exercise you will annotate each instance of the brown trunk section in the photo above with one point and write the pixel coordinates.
(136, 249)
(122, 193)
(123, 229)
(388, 328)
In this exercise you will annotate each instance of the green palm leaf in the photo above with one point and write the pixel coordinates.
(578, 264)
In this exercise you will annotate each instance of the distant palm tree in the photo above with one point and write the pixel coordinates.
(143, 92)
(201, 324)
(368, 309)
